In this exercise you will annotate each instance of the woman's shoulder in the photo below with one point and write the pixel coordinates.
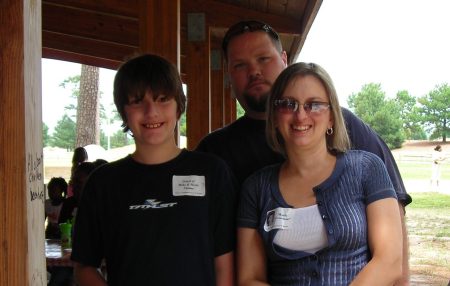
(362, 154)
(264, 174)
(364, 159)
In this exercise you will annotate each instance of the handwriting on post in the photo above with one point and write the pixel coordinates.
(34, 175)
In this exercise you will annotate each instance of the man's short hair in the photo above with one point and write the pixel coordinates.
(250, 26)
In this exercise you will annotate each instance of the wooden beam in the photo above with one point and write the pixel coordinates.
(90, 24)
(80, 59)
(197, 71)
(160, 35)
(22, 197)
(216, 16)
(229, 102)
(217, 94)
(83, 46)
(217, 99)
(127, 8)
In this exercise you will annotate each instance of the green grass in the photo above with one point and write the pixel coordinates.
(428, 224)
(429, 214)
(421, 170)
(431, 201)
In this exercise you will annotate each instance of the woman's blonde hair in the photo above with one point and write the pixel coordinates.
(338, 141)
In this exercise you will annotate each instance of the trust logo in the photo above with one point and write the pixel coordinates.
(152, 204)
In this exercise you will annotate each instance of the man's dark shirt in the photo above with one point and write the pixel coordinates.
(243, 145)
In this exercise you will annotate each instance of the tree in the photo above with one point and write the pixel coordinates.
(88, 107)
(367, 102)
(108, 116)
(64, 134)
(45, 136)
(183, 124)
(73, 83)
(410, 115)
(435, 111)
(118, 139)
(239, 110)
(388, 124)
(383, 115)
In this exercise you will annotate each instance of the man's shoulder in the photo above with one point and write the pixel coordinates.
(350, 117)
(226, 131)
(362, 136)
(202, 158)
(221, 138)
(359, 154)
(216, 135)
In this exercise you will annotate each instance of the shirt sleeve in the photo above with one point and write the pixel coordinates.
(248, 211)
(86, 245)
(224, 211)
(376, 182)
(363, 137)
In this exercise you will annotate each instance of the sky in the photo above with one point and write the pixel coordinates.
(400, 44)
(55, 97)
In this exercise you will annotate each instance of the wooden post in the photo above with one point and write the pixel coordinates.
(161, 34)
(159, 30)
(229, 102)
(197, 69)
(22, 258)
(217, 92)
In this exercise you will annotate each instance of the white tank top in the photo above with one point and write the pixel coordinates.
(307, 232)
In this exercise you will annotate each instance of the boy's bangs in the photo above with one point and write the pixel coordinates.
(156, 83)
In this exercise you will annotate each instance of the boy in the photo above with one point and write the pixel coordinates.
(162, 215)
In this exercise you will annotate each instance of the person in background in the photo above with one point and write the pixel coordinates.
(162, 215)
(99, 162)
(64, 275)
(326, 215)
(70, 205)
(57, 191)
(80, 155)
(254, 59)
(436, 160)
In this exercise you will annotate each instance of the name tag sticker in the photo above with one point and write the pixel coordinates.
(188, 186)
(279, 218)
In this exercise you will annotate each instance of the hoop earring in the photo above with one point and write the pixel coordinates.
(129, 132)
(329, 131)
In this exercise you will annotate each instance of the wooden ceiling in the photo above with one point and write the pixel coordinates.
(189, 33)
(105, 32)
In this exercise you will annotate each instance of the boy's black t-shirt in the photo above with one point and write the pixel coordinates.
(157, 224)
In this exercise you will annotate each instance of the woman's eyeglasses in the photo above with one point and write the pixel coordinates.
(289, 105)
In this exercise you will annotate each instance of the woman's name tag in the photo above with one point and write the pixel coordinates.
(279, 218)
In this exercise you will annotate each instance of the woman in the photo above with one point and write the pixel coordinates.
(325, 216)
(436, 161)
(80, 155)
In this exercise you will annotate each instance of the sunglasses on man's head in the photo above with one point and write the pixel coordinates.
(289, 105)
(248, 26)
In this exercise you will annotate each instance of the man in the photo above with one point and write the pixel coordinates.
(255, 58)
